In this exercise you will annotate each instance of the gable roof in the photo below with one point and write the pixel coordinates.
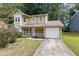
(25, 13)
(20, 12)
(74, 15)
(77, 12)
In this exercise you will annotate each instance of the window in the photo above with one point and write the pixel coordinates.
(33, 19)
(42, 19)
(17, 19)
(24, 19)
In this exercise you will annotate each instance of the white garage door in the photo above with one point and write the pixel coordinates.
(52, 32)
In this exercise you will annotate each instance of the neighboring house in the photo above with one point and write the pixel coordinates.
(36, 25)
(74, 22)
(3, 25)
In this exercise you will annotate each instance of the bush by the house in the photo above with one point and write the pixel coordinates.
(8, 36)
(13, 35)
(18, 34)
(3, 38)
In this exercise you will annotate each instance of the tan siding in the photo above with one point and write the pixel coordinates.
(37, 19)
(17, 13)
(17, 24)
(29, 20)
(46, 18)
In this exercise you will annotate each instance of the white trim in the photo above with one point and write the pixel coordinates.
(74, 14)
(20, 12)
(21, 20)
(14, 22)
(42, 18)
(44, 32)
(20, 30)
(33, 19)
(33, 31)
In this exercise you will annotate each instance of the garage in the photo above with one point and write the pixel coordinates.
(52, 33)
(53, 29)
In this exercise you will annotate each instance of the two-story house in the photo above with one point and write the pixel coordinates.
(36, 25)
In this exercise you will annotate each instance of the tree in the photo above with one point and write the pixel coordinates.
(33, 8)
(51, 9)
(6, 9)
(54, 10)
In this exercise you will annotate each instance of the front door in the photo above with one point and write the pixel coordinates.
(38, 32)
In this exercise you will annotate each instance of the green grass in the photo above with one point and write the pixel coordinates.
(22, 47)
(72, 41)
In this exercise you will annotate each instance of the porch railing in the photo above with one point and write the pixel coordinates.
(36, 34)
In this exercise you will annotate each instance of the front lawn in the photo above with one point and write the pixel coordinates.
(21, 47)
(72, 41)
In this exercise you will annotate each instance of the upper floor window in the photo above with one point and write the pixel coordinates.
(17, 19)
(24, 19)
(42, 19)
(33, 19)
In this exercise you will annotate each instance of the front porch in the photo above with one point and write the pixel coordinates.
(35, 32)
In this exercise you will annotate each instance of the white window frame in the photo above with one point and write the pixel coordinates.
(41, 18)
(33, 20)
(17, 19)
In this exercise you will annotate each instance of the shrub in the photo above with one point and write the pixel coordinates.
(3, 38)
(18, 34)
(8, 36)
(13, 35)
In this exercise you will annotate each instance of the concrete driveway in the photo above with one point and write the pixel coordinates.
(53, 47)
